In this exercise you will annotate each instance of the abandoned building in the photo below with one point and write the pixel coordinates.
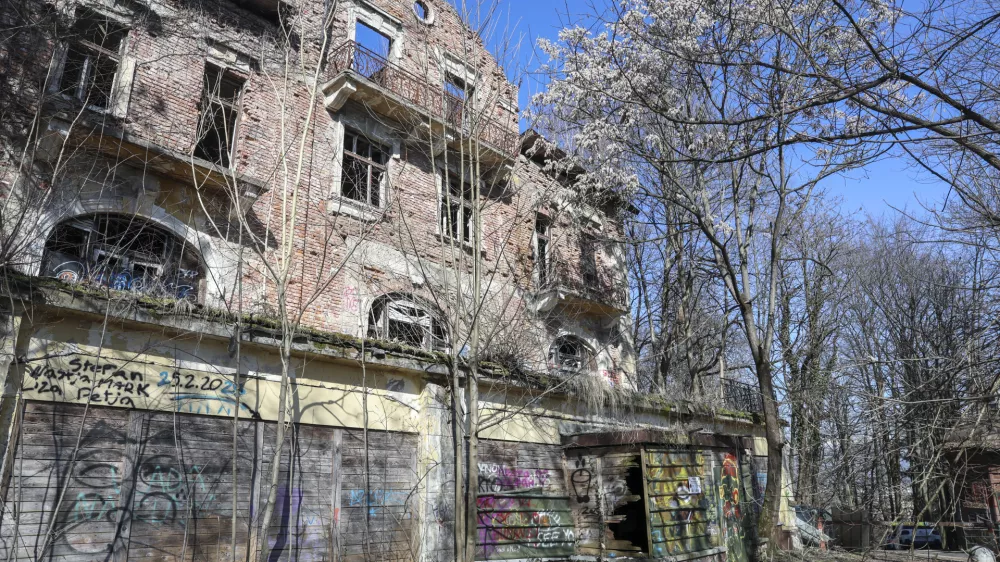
(221, 215)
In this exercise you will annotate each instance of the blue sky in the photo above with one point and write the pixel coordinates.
(883, 186)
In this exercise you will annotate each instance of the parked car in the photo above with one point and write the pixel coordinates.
(908, 536)
(928, 537)
(898, 538)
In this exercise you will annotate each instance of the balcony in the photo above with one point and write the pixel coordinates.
(586, 290)
(742, 397)
(430, 113)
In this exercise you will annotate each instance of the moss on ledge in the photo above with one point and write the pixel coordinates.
(590, 390)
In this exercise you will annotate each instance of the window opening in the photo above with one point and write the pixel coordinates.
(569, 355)
(364, 167)
(92, 60)
(220, 114)
(456, 92)
(404, 321)
(542, 225)
(373, 41)
(421, 10)
(122, 253)
(456, 211)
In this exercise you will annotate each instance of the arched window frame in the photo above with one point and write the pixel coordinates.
(403, 319)
(100, 249)
(561, 359)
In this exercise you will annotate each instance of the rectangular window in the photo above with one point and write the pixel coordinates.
(363, 169)
(456, 211)
(542, 225)
(92, 59)
(456, 92)
(219, 115)
(372, 53)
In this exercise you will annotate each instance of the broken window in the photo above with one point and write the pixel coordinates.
(569, 355)
(363, 169)
(456, 211)
(371, 55)
(219, 115)
(92, 59)
(456, 92)
(542, 225)
(398, 319)
(123, 253)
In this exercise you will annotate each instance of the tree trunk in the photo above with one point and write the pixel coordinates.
(767, 526)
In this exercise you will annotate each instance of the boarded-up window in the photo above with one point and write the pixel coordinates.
(302, 521)
(523, 503)
(377, 524)
(68, 478)
(96, 483)
(183, 489)
(681, 510)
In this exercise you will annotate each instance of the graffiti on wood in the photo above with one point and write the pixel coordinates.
(681, 514)
(512, 527)
(729, 506)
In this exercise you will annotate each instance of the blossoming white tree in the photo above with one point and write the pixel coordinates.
(684, 104)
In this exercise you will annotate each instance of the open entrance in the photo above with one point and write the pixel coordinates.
(627, 522)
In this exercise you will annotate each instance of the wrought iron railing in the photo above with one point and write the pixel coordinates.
(419, 92)
(599, 285)
(741, 396)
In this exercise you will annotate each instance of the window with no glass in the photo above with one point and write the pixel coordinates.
(456, 93)
(92, 61)
(125, 253)
(219, 115)
(421, 10)
(364, 167)
(569, 355)
(542, 225)
(457, 210)
(399, 319)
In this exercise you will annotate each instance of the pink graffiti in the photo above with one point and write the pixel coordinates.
(499, 478)
(350, 297)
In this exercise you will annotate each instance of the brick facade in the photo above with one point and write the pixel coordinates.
(138, 159)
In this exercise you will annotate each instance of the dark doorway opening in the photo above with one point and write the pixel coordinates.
(630, 517)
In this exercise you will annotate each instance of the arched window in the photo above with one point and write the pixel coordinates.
(401, 319)
(569, 354)
(123, 252)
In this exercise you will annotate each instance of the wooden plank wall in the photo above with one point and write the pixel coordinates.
(379, 524)
(681, 509)
(523, 502)
(158, 487)
(182, 489)
(301, 528)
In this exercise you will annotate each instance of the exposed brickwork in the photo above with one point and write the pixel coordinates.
(288, 142)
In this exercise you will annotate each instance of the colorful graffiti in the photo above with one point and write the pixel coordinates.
(728, 478)
(521, 527)
(680, 512)
(376, 500)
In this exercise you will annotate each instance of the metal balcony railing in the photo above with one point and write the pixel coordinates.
(591, 283)
(425, 96)
(742, 397)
